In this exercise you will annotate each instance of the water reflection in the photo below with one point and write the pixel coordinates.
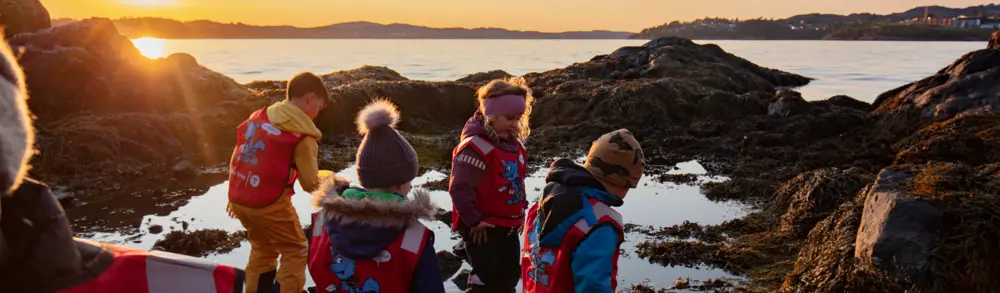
(652, 203)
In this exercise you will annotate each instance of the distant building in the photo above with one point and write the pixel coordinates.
(967, 22)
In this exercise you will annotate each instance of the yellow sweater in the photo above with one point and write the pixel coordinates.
(288, 117)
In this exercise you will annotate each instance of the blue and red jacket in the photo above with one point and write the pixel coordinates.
(572, 236)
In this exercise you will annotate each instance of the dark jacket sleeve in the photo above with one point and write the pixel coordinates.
(467, 169)
(427, 275)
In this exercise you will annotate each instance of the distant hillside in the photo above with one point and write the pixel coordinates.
(203, 29)
(857, 26)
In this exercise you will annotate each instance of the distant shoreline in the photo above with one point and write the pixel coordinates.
(564, 39)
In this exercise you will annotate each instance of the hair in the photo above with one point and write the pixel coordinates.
(307, 83)
(17, 145)
(503, 87)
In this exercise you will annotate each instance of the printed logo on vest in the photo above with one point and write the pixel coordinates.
(271, 129)
(254, 180)
(515, 184)
(540, 262)
(344, 268)
(253, 145)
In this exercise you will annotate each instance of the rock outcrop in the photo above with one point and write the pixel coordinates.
(88, 67)
(812, 196)
(23, 16)
(961, 89)
(929, 221)
(898, 229)
(123, 132)
(483, 77)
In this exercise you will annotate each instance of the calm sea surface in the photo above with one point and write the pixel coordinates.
(855, 68)
(859, 69)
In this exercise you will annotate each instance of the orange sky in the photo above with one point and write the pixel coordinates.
(541, 15)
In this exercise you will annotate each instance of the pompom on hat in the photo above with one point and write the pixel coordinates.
(384, 158)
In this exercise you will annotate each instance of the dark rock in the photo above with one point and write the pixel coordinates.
(812, 196)
(667, 41)
(789, 103)
(155, 229)
(201, 243)
(88, 67)
(970, 86)
(23, 16)
(994, 42)
(625, 51)
(826, 262)
(425, 106)
(462, 279)
(183, 61)
(845, 101)
(363, 73)
(444, 216)
(678, 178)
(459, 250)
(898, 229)
(185, 170)
(485, 76)
(450, 263)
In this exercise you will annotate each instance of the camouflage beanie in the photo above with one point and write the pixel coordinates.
(616, 158)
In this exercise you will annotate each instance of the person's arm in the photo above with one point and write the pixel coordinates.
(467, 169)
(593, 261)
(427, 275)
(306, 154)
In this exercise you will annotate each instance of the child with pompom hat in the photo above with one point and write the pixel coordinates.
(368, 238)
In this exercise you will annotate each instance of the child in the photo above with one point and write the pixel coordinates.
(369, 239)
(487, 184)
(572, 245)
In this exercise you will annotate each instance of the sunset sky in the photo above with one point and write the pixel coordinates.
(541, 15)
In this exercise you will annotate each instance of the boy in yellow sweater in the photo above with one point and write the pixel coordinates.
(274, 147)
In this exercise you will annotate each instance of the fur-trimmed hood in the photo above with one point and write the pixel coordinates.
(362, 228)
(373, 212)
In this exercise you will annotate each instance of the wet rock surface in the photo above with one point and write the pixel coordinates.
(450, 263)
(201, 243)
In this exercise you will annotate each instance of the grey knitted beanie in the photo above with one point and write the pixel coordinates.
(384, 158)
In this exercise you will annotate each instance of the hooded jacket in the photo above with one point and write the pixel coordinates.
(466, 175)
(592, 260)
(363, 223)
(288, 117)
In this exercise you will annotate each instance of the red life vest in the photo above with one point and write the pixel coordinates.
(500, 196)
(262, 166)
(548, 269)
(390, 272)
(138, 271)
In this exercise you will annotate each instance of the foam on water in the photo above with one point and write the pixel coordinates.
(652, 203)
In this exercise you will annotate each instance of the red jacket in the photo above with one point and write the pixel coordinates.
(549, 269)
(137, 271)
(45, 257)
(262, 166)
(500, 196)
(390, 272)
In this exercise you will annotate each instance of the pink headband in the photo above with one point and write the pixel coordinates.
(504, 105)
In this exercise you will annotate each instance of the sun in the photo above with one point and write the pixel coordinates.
(151, 47)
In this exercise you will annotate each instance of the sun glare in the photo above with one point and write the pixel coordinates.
(149, 2)
(150, 47)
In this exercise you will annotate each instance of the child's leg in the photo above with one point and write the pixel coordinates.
(496, 266)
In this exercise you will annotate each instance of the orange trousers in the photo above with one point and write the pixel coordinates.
(274, 231)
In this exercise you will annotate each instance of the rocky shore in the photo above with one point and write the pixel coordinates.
(896, 195)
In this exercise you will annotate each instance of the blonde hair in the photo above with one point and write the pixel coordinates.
(502, 87)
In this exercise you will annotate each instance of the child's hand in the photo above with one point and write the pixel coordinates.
(479, 232)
